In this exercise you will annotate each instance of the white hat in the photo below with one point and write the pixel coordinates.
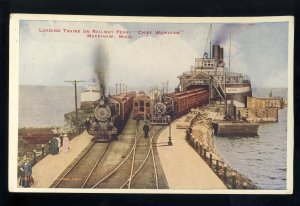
(65, 135)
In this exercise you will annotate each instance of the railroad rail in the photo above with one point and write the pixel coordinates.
(150, 151)
(90, 152)
(132, 153)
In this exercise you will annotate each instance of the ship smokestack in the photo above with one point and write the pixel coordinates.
(221, 53)
(216, 52)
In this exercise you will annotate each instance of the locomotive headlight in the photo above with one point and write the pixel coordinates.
(102, 113)
(101, 102)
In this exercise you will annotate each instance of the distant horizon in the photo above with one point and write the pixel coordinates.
(43, 85)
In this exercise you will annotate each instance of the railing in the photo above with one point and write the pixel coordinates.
(230, 177)
(42, 150)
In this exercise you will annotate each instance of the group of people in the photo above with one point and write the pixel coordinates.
(55, 143)
(26, 179)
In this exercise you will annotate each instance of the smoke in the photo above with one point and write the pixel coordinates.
(223, 34)
(101, 67)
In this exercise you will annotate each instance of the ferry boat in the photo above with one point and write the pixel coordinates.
(223, 85)
(89, 95)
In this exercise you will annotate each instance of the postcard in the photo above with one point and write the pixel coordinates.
(115, 104)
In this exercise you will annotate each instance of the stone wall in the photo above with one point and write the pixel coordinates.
(259, 114)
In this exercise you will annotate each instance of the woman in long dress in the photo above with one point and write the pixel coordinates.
(66, 143)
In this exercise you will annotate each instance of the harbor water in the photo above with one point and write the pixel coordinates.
(262, 159)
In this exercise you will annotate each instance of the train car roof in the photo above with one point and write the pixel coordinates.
(123, 97)
(184, 94)
(141, 95)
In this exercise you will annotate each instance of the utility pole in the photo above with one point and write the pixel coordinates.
(167, 85)
(116, 88)
(74, 82)
(121, 87)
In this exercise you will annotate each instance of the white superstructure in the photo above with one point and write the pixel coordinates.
(90, 93)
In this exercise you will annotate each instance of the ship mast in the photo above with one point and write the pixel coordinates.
(208, 38)
(225, 75)
(210, 41)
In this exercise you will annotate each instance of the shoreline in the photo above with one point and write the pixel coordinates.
(201, 140)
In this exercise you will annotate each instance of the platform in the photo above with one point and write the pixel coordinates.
(183, 167)
(46, 171)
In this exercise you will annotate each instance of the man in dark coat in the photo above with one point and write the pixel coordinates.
(146, 129)
(53, 146)
(87, 124)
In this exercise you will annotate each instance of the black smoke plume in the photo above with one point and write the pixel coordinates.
(223, 34)
(101, 67)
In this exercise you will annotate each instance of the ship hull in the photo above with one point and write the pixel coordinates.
(239, 94)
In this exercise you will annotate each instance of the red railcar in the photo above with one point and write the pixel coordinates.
(169, 106)
(141, 106)
(184, 101)
(123, 104)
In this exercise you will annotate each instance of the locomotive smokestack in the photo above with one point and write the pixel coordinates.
(101, 67)
(216, 52)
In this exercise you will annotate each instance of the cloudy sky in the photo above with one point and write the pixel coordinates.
(49, 58)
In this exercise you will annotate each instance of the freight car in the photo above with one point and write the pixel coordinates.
(110, 115)
(141, 106)
(173, 105)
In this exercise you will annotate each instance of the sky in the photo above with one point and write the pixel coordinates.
(258, 50)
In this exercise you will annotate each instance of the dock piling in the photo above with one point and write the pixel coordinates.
(34, 157)
(217, 167)
(233, 182)
(200, 150)
(210, 160)
(225, 174)
(43, 151)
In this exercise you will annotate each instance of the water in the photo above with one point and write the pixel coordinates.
(262, 159)
(45, 106)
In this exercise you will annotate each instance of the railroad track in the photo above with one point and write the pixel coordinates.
(128, 174)
(80, 171)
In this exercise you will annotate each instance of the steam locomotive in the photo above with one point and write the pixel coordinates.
(110, 115)
(174, 105)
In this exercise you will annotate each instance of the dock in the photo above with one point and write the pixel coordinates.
(235, 128)
(183, 167)
(46, 171)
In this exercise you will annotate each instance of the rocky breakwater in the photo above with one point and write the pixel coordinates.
(199, 134)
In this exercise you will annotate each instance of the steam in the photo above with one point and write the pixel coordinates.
(223, 34)
(101, 67)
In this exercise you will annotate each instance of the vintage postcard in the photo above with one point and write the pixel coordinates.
(103, 104)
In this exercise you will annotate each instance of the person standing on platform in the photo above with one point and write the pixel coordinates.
(26, 179)
(53, 146)
(146, 129)
(66, 143)
(59, 141)
(87, 124)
